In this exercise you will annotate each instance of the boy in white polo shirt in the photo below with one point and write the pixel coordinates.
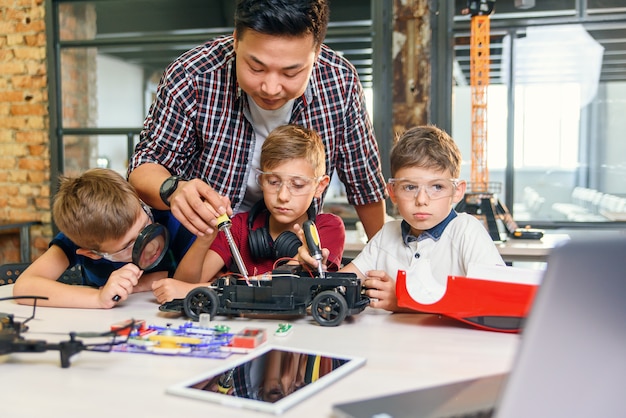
(432, 241)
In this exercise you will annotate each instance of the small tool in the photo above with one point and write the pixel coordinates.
(313, 243)
(224, 224)
(149, 248)
(226, 381)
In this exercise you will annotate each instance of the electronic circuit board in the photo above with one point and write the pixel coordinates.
(188, 340)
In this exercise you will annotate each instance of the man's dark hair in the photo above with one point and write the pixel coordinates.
(283, 17)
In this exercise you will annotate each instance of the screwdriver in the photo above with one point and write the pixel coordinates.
(224, 224)
(226, 381)
(313, 243)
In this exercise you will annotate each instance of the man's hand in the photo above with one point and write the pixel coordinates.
(196, 205)
(121, 283)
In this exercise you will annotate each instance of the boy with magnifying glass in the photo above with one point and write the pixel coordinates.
(107, 231)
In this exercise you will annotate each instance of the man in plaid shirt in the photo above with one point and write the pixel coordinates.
(216, 103)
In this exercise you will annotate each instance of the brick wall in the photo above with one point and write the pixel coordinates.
(24, 146)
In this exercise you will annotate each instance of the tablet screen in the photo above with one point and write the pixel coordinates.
(271, 379)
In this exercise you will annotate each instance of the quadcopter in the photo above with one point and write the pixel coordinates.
(12, 341)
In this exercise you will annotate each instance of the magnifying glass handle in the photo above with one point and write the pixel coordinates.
(116, 298)
(313, 243)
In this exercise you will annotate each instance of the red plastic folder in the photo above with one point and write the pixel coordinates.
(485, 304)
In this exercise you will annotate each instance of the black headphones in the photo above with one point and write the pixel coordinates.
(261, 243)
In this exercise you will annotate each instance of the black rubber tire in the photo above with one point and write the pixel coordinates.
(200, 300)
(329, 308)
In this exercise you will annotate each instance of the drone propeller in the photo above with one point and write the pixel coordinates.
(11, 340)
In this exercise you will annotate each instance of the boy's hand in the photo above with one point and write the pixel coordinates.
(121, 283)
(304, 256)
(381, 289)
(168, 289)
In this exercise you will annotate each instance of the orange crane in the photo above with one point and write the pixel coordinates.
(479, 199)
(479, 81)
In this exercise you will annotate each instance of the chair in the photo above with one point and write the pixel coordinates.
(10, 272)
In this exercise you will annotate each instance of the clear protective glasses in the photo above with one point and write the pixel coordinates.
(297, 185)
(409, 188)
(125, 254)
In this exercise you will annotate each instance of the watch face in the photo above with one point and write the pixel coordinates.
(168, 187)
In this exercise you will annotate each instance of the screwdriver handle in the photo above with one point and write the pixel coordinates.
(223, 221)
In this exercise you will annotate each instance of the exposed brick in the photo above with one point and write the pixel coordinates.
(31, 164)
(6, 164)
(35, 67)
(37, 150)
(11, 122)
(18, 202)
(11, 96)
(35, 122)
(17, 176)
(15, 39)
(33, 53)
(28, 109)
(6, 136)
(32, 137)
(37, 176)
(37, 25)
(35, 40)
(14, 150)
(12, 67)
(7, 26)
(6, 54)
(29, 82)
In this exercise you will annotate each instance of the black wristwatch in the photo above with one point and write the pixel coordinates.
(168, 187)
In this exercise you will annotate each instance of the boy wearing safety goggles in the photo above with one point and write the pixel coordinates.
(291, 175)
(431, 241)
(111, 235)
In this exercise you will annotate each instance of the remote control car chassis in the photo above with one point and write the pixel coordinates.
(331, 297)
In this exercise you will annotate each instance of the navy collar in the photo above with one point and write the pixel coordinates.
(434, 232)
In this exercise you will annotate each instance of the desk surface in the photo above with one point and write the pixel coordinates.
(403, 352)
(511, 249)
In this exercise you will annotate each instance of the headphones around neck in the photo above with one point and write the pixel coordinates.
(260, 242)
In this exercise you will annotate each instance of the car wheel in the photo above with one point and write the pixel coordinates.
(329, 308)
(200, 300)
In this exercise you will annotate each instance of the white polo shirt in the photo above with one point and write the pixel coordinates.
(429, 261)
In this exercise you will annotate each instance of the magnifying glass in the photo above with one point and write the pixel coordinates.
(150, 247)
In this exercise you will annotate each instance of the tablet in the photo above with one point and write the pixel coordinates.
(271, 379)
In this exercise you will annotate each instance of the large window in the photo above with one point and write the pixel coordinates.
(555, 107)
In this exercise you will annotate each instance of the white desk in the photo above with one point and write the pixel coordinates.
(514, 249)
(403, 351)
(510, 250)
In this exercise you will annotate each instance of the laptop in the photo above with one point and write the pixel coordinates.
(572, 357)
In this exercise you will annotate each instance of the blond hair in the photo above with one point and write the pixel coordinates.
(289, 142)
(97, 206)
(426, 147)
